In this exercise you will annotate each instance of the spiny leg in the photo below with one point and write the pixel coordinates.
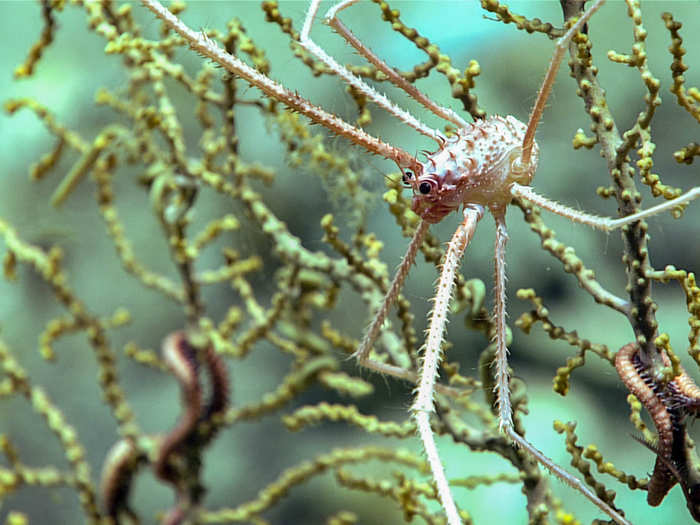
(502, 381)
(601, 223)
(332, 20)
(203, 45)
(423, 404)
(358, 83)
(548, 82)
(362, 353)
(373, 330)
(505, 413)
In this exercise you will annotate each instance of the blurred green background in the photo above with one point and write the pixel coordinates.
(246, 457)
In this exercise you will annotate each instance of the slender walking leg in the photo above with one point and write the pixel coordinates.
(432, 355)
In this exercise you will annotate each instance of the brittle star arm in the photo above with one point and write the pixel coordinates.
(205, 46)
(632, 374)
(668, 406)
(600, 223)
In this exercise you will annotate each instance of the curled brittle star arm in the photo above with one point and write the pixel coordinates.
(633, 375)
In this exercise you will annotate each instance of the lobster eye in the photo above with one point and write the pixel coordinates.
(424, 188)
(407, 176)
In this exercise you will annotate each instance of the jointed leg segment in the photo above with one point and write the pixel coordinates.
(432, 355)
(548, 82)
(356, 82)
(505, 412)
(332, 20)
(601, 223)
(372, 332)
(206, 47)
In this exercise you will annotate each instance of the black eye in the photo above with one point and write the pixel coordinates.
(407, 176)
(424, 188)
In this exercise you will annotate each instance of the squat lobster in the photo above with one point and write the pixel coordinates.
(483, 165)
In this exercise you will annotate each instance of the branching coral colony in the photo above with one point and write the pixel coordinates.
(485, 164)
